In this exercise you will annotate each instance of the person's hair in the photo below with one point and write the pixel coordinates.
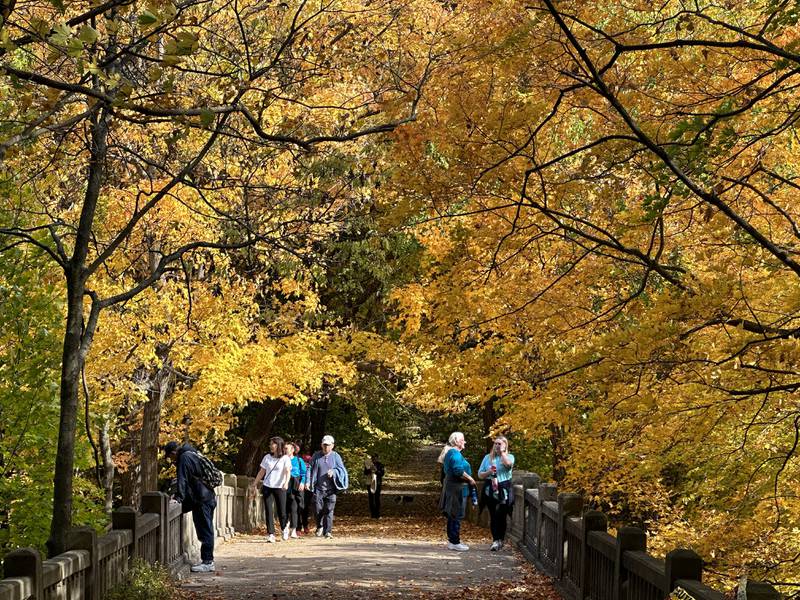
(492, 454)
(279, 441)
(451, 443)
(454, 438)
(287, 444)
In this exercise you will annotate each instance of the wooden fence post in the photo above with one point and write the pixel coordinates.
(628, 538)
(592, 521)
(569, 505)
(26, 562)
(156, 502)
(85, 538)
(682, 564)
(125, 518)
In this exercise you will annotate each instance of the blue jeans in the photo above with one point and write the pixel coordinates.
(324, 503)
(453, 530)
(203, 517)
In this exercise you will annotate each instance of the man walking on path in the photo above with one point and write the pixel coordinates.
(197, 497)
(328, 476)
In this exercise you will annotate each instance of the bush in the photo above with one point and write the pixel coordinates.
(145, 582)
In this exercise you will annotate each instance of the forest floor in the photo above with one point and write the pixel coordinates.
(401, 555)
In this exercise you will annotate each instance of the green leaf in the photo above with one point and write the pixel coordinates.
(88, 35)
(206, 117)
(146, 18)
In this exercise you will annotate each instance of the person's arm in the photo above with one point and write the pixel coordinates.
(287, 472)
(464, 475)
(485, 469)
(507, 459)
(180, 488)
(259, 478)
(380, 470)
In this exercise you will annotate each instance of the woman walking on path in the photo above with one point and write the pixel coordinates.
(275, 471)
(498, 492)
(457, 475)
(295, 493)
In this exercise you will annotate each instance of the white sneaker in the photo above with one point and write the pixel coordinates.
(495, 546)
(458, 547)
(294, 535)
(285, 534)
(202, 568)
(318, 532)
(271, 538)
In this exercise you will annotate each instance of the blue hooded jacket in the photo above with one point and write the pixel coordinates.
(341, 480)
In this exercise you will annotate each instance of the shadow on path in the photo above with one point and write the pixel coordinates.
(354, 565)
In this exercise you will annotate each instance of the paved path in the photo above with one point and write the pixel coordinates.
(354, 564)
(401, 555)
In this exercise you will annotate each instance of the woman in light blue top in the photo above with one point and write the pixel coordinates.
(498, 491)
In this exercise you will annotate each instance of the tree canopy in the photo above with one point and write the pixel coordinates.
(572, 222)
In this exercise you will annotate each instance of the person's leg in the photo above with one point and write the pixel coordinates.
(378, 501)
(308, 498)
(452, 530)
(269, 509)
(502, 521)
(280, 501)
(203, 518)
(331, 502)
(494, 517)
(319, 508)
(371, 499)
(291, 508)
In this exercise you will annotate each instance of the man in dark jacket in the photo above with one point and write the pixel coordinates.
(196, 497)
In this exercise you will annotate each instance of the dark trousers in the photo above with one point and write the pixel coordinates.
(203, 517)
(498, 517)
(453, 530)
(294, 507)
(375, 502)
(324, 503)
(308, 499)
(278, 495)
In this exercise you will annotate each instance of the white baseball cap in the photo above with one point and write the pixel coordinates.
(327, 440)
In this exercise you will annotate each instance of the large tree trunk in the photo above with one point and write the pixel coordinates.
(160, 386)
(254, 443)
(77, 340)
(319, 420)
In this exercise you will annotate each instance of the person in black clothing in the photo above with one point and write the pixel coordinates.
(196, 498)
(373, 471)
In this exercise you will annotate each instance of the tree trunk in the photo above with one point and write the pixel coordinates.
(258, 433)
(108, 467)
(77, 340)
(557, 446)
(319, 420)
(160, 386)
(489, 417)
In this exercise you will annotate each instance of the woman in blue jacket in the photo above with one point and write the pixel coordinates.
(457, 476)
(296, 492)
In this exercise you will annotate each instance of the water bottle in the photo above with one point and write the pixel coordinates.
(473, 493)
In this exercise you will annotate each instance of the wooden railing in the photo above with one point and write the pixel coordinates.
(158, 532)
(588, 563)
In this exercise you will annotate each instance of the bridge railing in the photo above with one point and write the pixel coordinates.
(574, 547)
(158, 532)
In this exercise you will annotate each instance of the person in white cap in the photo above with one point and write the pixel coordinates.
(328, 476)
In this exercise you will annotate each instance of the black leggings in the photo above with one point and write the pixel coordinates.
(498, 518)
(278, 495)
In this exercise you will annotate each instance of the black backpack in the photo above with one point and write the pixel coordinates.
(209, 475)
